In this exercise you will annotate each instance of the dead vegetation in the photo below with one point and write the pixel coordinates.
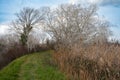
(92, 62)
(80, 44)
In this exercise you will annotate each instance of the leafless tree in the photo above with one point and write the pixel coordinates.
(27, 20)
(69, 24)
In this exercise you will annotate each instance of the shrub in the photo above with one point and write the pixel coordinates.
(14, 51)
(91, 62)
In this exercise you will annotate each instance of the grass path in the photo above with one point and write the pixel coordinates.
(32, 67)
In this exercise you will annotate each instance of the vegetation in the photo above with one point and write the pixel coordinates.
(26, 21)
(94, 62)
(32, 67)
(81, 49)
(78, 39)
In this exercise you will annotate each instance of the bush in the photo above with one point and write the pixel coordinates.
(14, 51)
(91, 62)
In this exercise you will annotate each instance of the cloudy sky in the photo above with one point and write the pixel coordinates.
(110, 9)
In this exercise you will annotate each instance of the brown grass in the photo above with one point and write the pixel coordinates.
(89, 62)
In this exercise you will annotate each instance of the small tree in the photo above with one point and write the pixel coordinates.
(27, 19)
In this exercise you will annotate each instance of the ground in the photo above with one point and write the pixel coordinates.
(36, 66)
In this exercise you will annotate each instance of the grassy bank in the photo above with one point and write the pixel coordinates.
(37, 66)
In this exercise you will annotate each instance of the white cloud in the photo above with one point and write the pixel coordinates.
(73, 1)
(85, 1)
(98, 2)
(3, 29)
(94, 1)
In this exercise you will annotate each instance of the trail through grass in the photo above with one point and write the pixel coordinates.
(32, 67)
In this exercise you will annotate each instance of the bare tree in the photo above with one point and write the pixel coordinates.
(70, 24)
(26, 21)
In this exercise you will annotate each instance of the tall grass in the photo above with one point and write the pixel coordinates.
(89, 62)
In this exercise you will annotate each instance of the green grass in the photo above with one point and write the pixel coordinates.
(37, 66)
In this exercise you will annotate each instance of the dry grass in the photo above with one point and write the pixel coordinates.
(89, 62)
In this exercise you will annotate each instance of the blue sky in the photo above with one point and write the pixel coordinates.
(9, 7)
(110, 9)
